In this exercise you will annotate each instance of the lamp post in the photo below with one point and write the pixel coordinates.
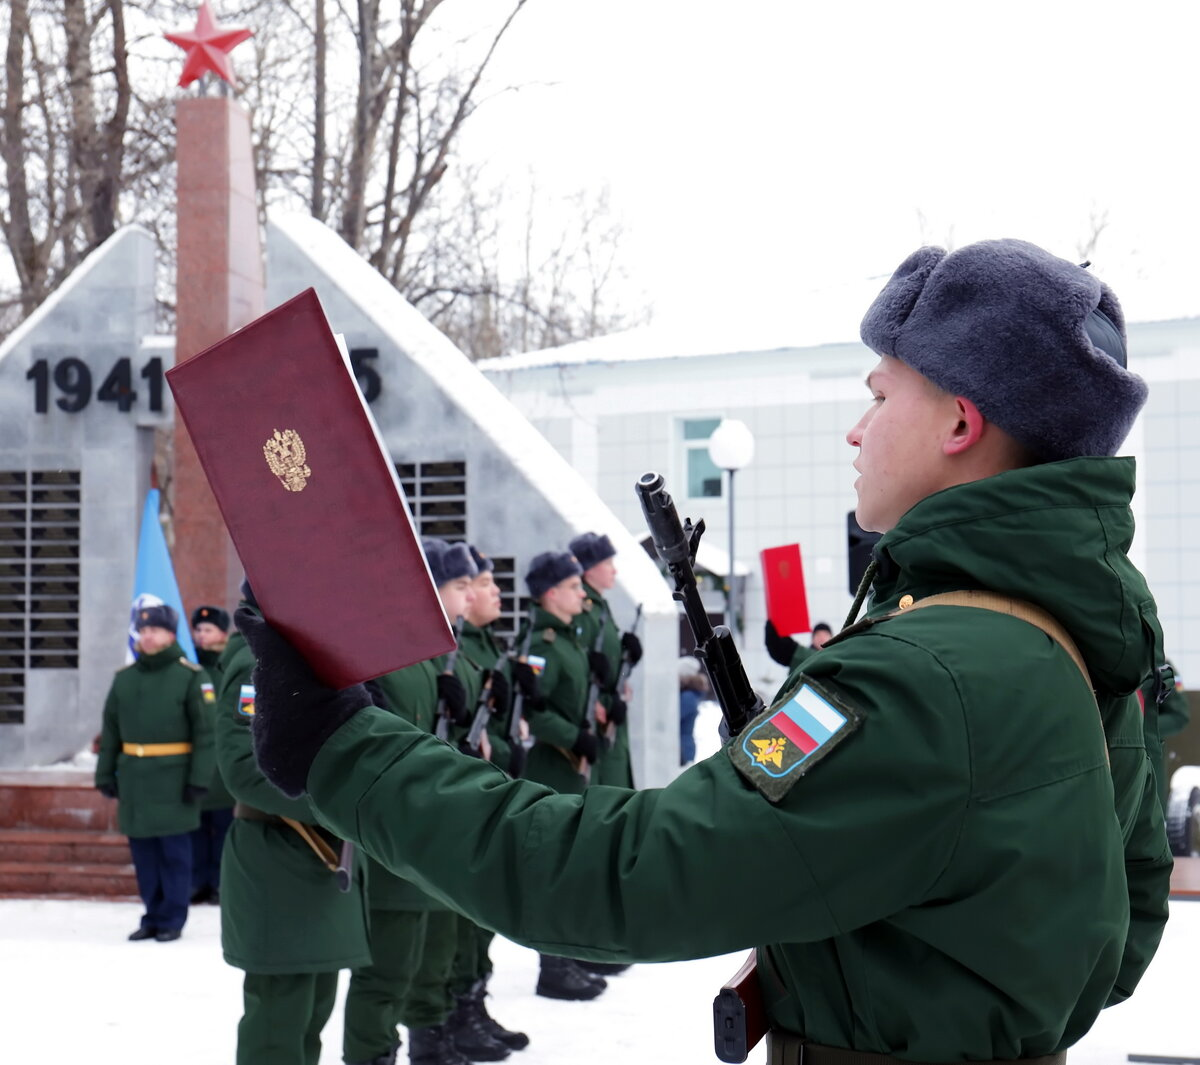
(731, 447)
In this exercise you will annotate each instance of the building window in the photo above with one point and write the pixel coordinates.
(704, 477)
(39, 579)
(437, 496)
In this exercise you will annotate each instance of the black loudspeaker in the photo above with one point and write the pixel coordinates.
(858, 550)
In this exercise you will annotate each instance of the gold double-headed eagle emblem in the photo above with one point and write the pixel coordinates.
(285, 454)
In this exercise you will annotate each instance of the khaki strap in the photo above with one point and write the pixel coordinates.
(1022, 611)
(784, 1048)
(316, 841)
(1003, 604)
(155, 750)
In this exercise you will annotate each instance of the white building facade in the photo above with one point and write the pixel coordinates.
(619, 406)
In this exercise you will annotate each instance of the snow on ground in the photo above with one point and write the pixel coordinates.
(72, 989)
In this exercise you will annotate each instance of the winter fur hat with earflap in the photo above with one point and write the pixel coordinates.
(1035, 342)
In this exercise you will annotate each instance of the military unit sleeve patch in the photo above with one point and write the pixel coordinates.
(784, 742)
(207, 692)
(246, 701)
(537, 663)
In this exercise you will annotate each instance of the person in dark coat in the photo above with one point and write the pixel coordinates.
(156, 758)
(210, 633)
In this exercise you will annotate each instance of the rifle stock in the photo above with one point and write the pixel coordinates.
(483, 709)
(516, 744)
(739, 1016)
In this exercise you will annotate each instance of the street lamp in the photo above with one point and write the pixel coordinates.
(731, 447)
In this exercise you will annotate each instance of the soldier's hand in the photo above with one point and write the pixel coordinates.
(585, 745)
(618, 711)
(632, 647)
(453, 694)
(780, 648)
(598, 664)
(193, 793)
(107, 790)
(527, 682)
(294, 712)
(501, 693)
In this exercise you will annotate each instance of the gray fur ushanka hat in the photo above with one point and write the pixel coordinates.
(1017, 331)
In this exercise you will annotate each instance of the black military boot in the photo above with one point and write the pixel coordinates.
(466, 1030)
(432, 1046)
(383, 1059)
(562, 978)
(478, 998)
(601, 968)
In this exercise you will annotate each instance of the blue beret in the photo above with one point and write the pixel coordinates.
(159, 615)
(1034, 341)
(550, 568)
(591, 549)
(448, 562)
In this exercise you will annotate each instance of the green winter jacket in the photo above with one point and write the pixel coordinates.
(483, 650)
(281, 910)
(613, 766)
(555, 724)
(157, 699)
(218, 797)
(973, 872)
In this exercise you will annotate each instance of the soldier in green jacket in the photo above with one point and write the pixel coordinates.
(210, 633)
(476, 1034)
(565, 746)
(942, 838)
(790, 653)
(156, 758)
(414, 936)
(283, 920)
(595, 554)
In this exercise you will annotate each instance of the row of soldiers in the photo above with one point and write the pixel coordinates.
(296, 906)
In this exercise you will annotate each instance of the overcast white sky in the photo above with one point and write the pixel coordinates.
(765, 150)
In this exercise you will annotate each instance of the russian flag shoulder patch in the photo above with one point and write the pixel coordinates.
(246, 700)
(785, 741)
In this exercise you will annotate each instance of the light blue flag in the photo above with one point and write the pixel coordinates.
(154, 578)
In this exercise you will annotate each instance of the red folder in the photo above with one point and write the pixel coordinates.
(783, 579)
(310, 496)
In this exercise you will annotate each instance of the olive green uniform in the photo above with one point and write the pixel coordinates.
(219, 796)
(564, 686)
(157, 699)
(283, 919)
(413, 936)
(973, 871)
(614, 766)
(1172, 715)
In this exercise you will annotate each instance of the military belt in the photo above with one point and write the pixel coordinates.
(309, 833)
(155, 750)
(784, 1048)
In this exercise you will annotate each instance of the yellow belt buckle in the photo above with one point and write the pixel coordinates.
(140, 752)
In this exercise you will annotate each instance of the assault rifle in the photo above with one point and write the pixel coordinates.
(623, 672)
(483, 709)
(738, 1014)
(593, 696)
(516, 764)
(676, 545)
(443, 717)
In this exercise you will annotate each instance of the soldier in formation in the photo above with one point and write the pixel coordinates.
(285, 920)
(210, 633)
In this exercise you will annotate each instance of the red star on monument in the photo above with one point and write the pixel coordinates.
(208, 47)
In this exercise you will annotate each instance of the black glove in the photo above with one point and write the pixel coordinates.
(598, 664)
(193, 794)
(632, 647)
(453, 694)
(585, 745)
(107, 790)
(780, 648)
(294, 713)
(527, 682)
(378, 695)
(618, 712)
(501, 693)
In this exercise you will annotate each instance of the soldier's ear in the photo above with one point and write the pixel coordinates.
(967, 428)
